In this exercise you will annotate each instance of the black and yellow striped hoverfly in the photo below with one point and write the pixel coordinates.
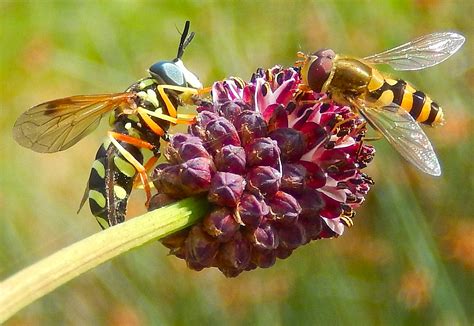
(139, 118)
(392, 107)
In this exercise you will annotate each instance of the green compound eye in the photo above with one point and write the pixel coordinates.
(168, 73)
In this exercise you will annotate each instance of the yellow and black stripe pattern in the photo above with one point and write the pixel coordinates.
(386, 91)
(110, 183)
(112, 175)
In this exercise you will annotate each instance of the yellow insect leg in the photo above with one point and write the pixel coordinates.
(137, 165)
(187, 93)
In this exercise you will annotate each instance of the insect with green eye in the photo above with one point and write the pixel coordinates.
(139, 118)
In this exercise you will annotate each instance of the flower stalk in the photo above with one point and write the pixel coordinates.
(43, 277)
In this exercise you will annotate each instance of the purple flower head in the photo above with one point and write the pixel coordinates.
(280, 166)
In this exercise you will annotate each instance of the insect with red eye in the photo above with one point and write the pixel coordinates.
(391, 106)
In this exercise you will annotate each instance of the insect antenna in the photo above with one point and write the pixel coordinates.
(185, 40)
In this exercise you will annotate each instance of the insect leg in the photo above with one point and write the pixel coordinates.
(148, 166)
(142, 172)
(355, 107)
(300, 54)
(145, 115)
(187, 93)
(181, 118)
(131, 140)
(302, 90)
(302, 58)
(340, 123)
(138, 143)
(186, 118)
(374, 138)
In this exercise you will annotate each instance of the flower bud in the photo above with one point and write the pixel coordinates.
(200, 248)
(251, 210)
(182, 150)
(168, 180)
(188, 151)
(311, 202)
(263, 151)
(263, 180)
(292, 236)
(284, 207)
(202, 119)
(263, 258)
(290, 142)
(179, 138)
(293, 178)
(196, 176)
(283, 252)
(176, 243)
(231, 159)
(160, 200)
(221, 224)
(234, 256)
(226, 189)
(312, 225)
(264, 237)
(221, 132)
(277, 116)
(231, 110)
(250, 125)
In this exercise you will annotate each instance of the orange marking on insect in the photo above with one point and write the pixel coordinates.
(150, 123)
(131, 140)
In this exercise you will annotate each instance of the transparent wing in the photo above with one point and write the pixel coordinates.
(404, 134)
(57, 125)
(422, 52)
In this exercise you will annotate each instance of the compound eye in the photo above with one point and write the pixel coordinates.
(168, 73)
(320, 69)
(325, 53)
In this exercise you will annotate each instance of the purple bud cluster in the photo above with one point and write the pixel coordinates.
(280, 167)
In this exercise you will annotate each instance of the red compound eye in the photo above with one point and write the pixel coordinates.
(320, 69)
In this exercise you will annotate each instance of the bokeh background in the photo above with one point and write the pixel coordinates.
(408, 260)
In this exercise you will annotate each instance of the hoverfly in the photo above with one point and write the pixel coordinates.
(392, 107)
(140, 117)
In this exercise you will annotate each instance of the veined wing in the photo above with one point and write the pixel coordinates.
(404, 134)
(57, 125)
(423, 52)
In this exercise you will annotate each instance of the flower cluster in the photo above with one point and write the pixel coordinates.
(280, 167)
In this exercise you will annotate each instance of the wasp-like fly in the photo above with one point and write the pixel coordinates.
(140, 117)
(392, 107)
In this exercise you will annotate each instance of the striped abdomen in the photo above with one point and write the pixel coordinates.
(110, 183)
(386, 91)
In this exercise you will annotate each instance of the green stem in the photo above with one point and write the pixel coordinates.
(39, 279)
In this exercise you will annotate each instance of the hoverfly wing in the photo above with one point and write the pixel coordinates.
(423, 52)
(404, 134)
(57, 125)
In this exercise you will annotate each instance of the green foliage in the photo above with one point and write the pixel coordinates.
(406, 260)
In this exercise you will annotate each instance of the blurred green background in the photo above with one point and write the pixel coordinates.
(408, 260)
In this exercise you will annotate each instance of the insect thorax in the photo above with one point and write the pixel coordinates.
(127, 121)
(350, 78)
